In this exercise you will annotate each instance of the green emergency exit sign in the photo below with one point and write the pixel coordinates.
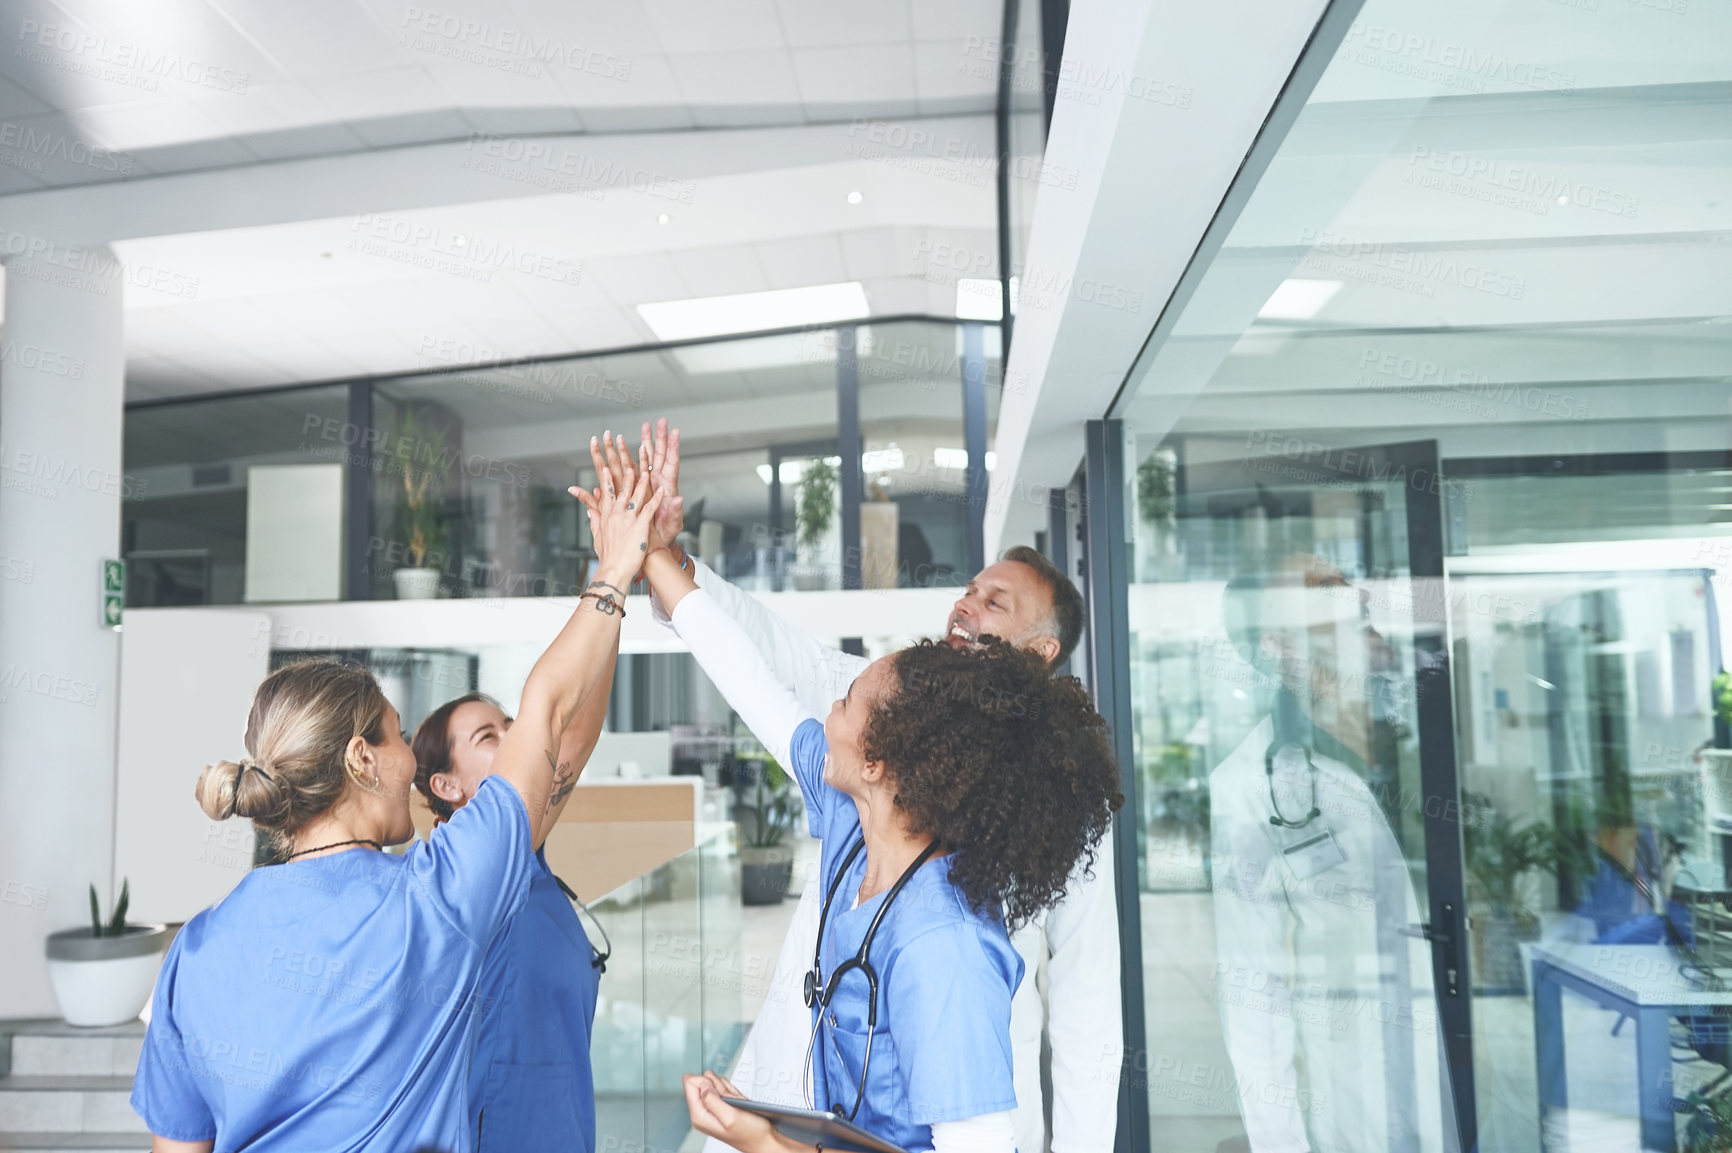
(113, 592)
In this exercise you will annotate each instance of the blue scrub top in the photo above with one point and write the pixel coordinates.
(530, 1084)
(330, 1003)
(946, 975)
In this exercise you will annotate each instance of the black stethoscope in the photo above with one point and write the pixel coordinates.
(597, 957)
(1269, 774)
(818, 991)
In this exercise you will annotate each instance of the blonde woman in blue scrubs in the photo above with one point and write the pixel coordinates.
(328, 1003)
(531, 1086)
(953, 791)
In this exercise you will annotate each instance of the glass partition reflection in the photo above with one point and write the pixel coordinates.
(1494, 230)
(1274, 683)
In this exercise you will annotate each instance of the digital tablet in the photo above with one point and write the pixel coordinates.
(816, 1128)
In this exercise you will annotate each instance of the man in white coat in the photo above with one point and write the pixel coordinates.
(1070, 988)
(1325, 989)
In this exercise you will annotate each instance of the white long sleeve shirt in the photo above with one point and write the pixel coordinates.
(1070, 990)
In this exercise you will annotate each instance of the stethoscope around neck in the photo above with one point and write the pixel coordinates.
(818, 991)
(1279, 820)
(597, 957)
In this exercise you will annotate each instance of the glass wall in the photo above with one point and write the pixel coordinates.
(190, 466)
(465, 471)
(1429, 531)
(670, 999)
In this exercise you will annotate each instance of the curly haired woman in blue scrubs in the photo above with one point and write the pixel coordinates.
(531, 1087)
(953, 791)
(329, 1003)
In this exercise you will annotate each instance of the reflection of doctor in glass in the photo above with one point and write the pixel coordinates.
(1327, 1005)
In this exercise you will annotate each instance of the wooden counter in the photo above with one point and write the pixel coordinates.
(613, 831)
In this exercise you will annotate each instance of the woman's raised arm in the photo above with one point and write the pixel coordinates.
(572, 667)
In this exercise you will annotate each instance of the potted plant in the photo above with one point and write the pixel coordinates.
(1157, 510)
(766, 859)
(1499, 854)
(103, 974)
(1709, 1129)
(420, 520)
(813, 516)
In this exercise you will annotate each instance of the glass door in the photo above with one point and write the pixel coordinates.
(1596, 852)
(1299, 826)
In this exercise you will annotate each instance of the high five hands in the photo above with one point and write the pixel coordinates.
(658, 458)
(622, 513)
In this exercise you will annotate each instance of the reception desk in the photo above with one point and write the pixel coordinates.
(613, 831)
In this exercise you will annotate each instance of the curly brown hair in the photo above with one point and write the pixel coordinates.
(1006, 766)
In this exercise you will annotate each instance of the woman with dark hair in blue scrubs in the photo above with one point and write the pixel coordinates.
(531, 1088)
(954, 792)
(329, 1002)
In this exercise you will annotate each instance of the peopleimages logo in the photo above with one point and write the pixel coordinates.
(1447, 62)
(425, 245)
(35, 145)
(1407, 269)
(135, 65)
(447, 34)
(87, 269)
(42, 359)
(1521, 186)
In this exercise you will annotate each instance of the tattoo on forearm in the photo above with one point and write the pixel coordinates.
(564, 780)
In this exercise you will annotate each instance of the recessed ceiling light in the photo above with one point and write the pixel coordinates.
(662, 219)
(325, 255)
(1298, 299)
(461, 240)
(755, 311)
(855, 198)
(1563, 200)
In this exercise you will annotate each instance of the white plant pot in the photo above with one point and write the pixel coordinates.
(416, 584)
(105, 980)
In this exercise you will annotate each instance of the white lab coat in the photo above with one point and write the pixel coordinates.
(1071, 981)
(1328, 1007)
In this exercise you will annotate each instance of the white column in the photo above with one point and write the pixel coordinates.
(62, 378)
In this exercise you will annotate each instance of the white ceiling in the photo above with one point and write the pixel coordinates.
(397, 293)
(162, 103)
(179, 85)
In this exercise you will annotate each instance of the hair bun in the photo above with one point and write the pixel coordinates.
(216, 789)
(242, 788)
(258, 792)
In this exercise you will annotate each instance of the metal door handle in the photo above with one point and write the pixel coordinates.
(1427, 932)
(1440, 932)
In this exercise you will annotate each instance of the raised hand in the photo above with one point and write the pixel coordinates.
(661, 447)
(612, 460)
(621, 512)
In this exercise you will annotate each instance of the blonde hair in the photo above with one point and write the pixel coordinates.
(303, 717)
